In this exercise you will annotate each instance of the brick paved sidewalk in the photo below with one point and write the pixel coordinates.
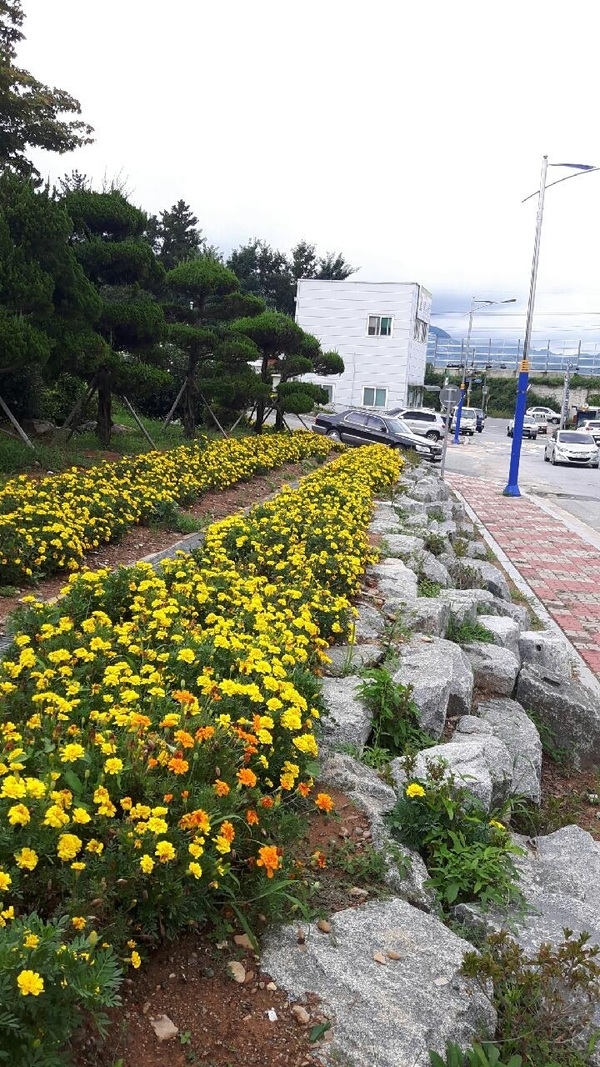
(560, 567)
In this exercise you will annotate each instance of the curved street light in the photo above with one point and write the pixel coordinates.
(465, 361)
(512, 487)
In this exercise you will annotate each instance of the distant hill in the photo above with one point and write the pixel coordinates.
(436, 332)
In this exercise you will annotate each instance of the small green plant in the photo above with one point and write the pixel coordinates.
(460, 546)
(466, 632)
(396, 725)
(466, 577)
(435, 543)
(484, 1055)
(436, 514)
(545, 1002)
(469, 855)
(426, 586)
(559, 755)
(364, 864)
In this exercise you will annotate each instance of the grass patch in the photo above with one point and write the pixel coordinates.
(467, 632)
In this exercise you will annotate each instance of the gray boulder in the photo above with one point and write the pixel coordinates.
(546, 651)
(351, 658)
(389, 976)
(429, 489)
(569, 710)
(446, 528)
(404, 546)
(441, 678)
(428, 615)
(369, 623)
(492, 577)
(507, 720)
(357, 780)
(347, 721)
(495, 669)
(481, 761)
(408, 506)
(396, 581)
(477, 550)
(431, 567)
(504, 630)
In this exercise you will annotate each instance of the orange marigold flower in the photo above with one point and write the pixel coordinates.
(195, 820)
(178, 765)
(167, 798)
(319, 859)
(221, 788)
(152, 762)
(246, 777)
(184, 739)
(269, 858)
(324, 802)
(267, 802)
(183, 696)
(304, 789)
(227, 830)
(204, 733)
(252, 817)
(185, 794)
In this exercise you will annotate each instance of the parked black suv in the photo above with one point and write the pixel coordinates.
(355, 427)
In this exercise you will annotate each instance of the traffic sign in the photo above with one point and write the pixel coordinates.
(450, 395)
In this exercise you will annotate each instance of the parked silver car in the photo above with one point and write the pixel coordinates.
(530, 427)
(424, 421)
(572, 447)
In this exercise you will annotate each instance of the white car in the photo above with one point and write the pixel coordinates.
(468, 421)
(592, 426)
(545, 413)
(530, 427)
(572, 447)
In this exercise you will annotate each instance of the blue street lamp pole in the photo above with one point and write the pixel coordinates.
(512, 487)
(465, 361)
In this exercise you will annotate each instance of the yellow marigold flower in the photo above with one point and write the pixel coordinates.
(414, 790)
(94, 846)
(80, 815)
(31, 941)
(18, 815)
(147, 864)
(136, 960)
(13, 788)
(497, 825)
(68, 846)
(222, 845)
(55, 817)
(113, 766)
(35, 788)
(79, 866)
(157, 826)
(195, 850)
(195, 869)
(186, 655)
(71, 753)
(269, 858)
(307, 744)
(246, 777)
(184, 739)
(79, 922)
(165, 851)
(5, 881)
(27, 859)
(30, 983)
(169, 720)
(324, 802)
(291, 719)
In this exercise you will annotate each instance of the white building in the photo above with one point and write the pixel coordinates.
(380, 331)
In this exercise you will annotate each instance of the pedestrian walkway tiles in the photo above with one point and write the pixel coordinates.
(560, 567)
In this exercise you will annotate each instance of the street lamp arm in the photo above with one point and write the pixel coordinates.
(559, 180)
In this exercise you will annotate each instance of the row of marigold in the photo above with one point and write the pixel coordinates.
(49, 525)
(159, 729)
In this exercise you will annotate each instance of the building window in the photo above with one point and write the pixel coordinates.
(420, 333)
(329, 390)
(374, 398)
(379, 326)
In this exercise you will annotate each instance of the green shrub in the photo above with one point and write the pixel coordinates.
(468, 855)
(467, 632)
(435, 543)
(545, 1002)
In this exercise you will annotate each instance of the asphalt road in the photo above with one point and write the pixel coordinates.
(487, 455)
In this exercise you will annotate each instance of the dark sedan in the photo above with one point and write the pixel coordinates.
(363, 428)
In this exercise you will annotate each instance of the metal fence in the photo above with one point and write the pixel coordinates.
(556, 357)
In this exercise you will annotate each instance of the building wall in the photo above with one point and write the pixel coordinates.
(337, 313)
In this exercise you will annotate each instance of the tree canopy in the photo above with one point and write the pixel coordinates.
(175, 235)
(272, 275)
(32, 115)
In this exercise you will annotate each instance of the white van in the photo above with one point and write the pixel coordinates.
(468, 421)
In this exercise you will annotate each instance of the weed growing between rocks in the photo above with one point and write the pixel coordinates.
(435, 543)
(545, 1002)
(485, 1055)
(469, 855)
(465, 577)
(426, 586)
(467, 632)
(396, 725)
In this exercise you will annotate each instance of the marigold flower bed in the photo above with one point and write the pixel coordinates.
(159, 725)
(49, 525)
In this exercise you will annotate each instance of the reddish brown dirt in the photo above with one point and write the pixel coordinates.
(222, 1023)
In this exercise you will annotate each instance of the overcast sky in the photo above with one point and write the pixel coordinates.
(404, 134)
